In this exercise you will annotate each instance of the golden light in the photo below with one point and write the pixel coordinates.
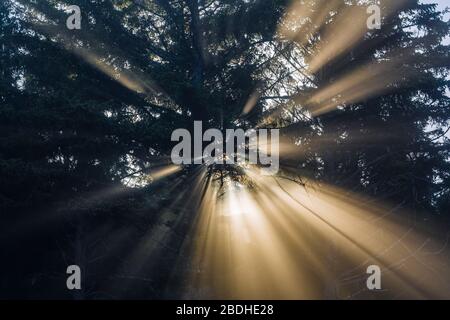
(282, 241)
(364, 82)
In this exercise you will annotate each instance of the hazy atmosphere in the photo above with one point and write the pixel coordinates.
(230, 149)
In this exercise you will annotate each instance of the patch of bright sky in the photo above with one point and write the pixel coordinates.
(442, 4)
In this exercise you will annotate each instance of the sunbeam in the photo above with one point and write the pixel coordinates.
(282, 241)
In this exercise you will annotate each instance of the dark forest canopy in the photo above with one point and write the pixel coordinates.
(86, 115)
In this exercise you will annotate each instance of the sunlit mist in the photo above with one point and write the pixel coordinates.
(282, 241)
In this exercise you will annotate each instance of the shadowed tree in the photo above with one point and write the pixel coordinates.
(86, 118)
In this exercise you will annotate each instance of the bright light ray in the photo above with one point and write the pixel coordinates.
(156, 242)
(280, 241)
(164, 172)
(230, 259)
(324, 30)
(305, 18)
(128, 78)
(349, 27)
(365, 82)
(131, 78)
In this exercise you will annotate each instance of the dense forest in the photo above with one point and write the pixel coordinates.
(86, 117)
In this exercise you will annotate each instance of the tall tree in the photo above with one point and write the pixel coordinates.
(86, 117)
